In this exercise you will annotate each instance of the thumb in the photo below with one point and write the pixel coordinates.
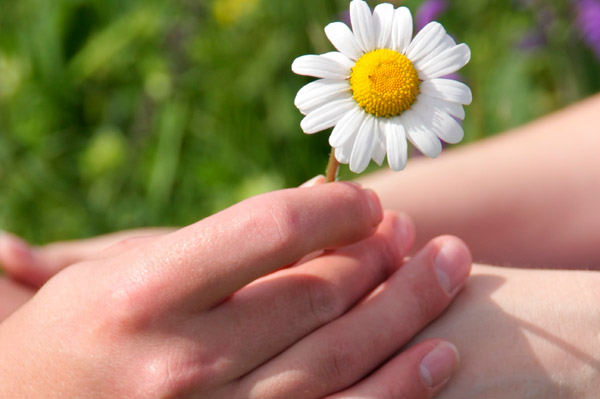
(21, 261)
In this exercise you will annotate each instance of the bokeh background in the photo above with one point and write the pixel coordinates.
(117, 114)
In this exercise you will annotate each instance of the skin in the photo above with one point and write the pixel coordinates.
(526, 333)
(310, 304)
(541, 347)
(528, 199)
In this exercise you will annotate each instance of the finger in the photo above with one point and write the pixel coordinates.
(352, 346)
(320, 179)
(280, 309)
(19, 260)
(204, 263)
(12, 296)
(418, 373)
(36, 265)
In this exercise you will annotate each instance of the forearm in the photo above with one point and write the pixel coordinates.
(524, 334)
(527, 198)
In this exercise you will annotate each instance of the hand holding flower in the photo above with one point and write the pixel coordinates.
(222, 308)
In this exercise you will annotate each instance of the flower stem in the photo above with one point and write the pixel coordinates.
(332, 168)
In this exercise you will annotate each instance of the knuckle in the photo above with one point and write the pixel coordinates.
(275, 221)
(387, 256)
(323, 300)
(173, 373)
(427, 298)
(110, 313)
(132, 299)
(340, 364)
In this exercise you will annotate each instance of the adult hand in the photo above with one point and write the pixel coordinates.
(524, 334)
(212, 311)
(28, 267)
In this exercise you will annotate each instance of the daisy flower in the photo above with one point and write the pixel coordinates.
(383, 87)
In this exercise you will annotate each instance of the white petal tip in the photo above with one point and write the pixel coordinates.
(297, 65)
(357, 169)
(307, 127)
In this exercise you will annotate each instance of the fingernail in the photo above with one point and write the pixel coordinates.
(404, 232)
(439, 364)
(314, 181)
(375, 205)
(452, 264)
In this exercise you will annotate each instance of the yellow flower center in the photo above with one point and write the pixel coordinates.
(384, 82)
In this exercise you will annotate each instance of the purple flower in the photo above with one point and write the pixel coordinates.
(344, 16)
(429, 11)
(537, 37)
(533, 40)
(588, 22)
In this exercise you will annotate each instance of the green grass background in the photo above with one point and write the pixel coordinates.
(117, 114)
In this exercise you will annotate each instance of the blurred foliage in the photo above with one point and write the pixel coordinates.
(118, 114)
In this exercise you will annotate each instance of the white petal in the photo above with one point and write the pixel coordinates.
(447, 128)
(346, 127)
(363, 147)
(397, 148)
(342, 38)
(449, 107)
(319, 67)
(402, 30)
(362, 25)
(320, 92)
(447, 89)
(420, 135)
(383, 21)
(425, 41)
(379, 149)
(343, 153)
(442, 124)
(340, 59)
(448, 61)
(379, 152)
(326, 116)
(446, 43)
